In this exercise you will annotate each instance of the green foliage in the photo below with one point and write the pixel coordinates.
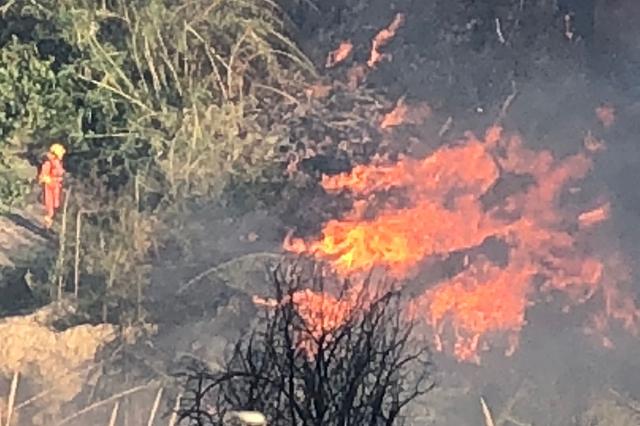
(153, 97)
(116, 245)
(185, 77)
(168, 89)
(28, 88)
(36, 105)
(14, 181)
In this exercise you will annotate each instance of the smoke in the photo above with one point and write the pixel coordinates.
(449, 54)
(560, 83)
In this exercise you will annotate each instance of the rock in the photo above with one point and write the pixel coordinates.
(50, 360)
(21, 238)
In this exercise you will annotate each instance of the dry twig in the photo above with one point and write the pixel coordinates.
(114, 414)
(174, 415)
(512, 420)
(488, 419)
(59, 381)
(4, 9)
(506, 416)
(12, 398)
(445, 127)
(61, 249)
(632, 404)
(154, 409)
(105, 402)
(499, 32)
(507, 103)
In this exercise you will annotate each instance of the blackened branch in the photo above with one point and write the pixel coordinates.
(362, 367)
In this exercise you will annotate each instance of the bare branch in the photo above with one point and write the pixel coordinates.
(308, 364)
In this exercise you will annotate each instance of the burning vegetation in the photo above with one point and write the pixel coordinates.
(471, 236)
(350, 359)
(453, 202)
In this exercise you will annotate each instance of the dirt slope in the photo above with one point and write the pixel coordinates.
(47, 360)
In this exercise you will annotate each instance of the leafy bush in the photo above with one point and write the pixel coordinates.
(36, 106)
(160, 99)
(186, 78)
(174, 101)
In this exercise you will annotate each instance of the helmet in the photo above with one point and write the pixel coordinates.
(57, 150)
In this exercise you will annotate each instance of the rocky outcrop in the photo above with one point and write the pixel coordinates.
(55, 364)
(23, 243)
(21, 238)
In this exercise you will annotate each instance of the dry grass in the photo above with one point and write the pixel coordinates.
(114, 414)
(488, 418)
(9, 409)
(154, 409)
(11, 401)
(174, 416)
(114, 398)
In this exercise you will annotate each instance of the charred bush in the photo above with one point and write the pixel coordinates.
(324, 353)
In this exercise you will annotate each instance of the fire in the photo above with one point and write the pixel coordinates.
(357, 73)
(483, 298)
(597, 215)
(321, 312)
(382, 38)
(401, 238)
(340, 54)
(405, 114)
(452, 202)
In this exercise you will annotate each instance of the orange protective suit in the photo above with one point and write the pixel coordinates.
(51, 176)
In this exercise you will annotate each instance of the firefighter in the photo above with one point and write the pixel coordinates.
(50, 177)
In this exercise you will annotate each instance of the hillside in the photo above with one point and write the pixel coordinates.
(481, 157)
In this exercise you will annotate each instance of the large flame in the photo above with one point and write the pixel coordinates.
(452, 202)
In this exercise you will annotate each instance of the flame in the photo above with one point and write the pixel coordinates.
(453, 201)
(321, 313)
(483, 298)
(357, 73)
(340, 54)
(382, 38)
(405, 114)
(400, 239)
(597, 215)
